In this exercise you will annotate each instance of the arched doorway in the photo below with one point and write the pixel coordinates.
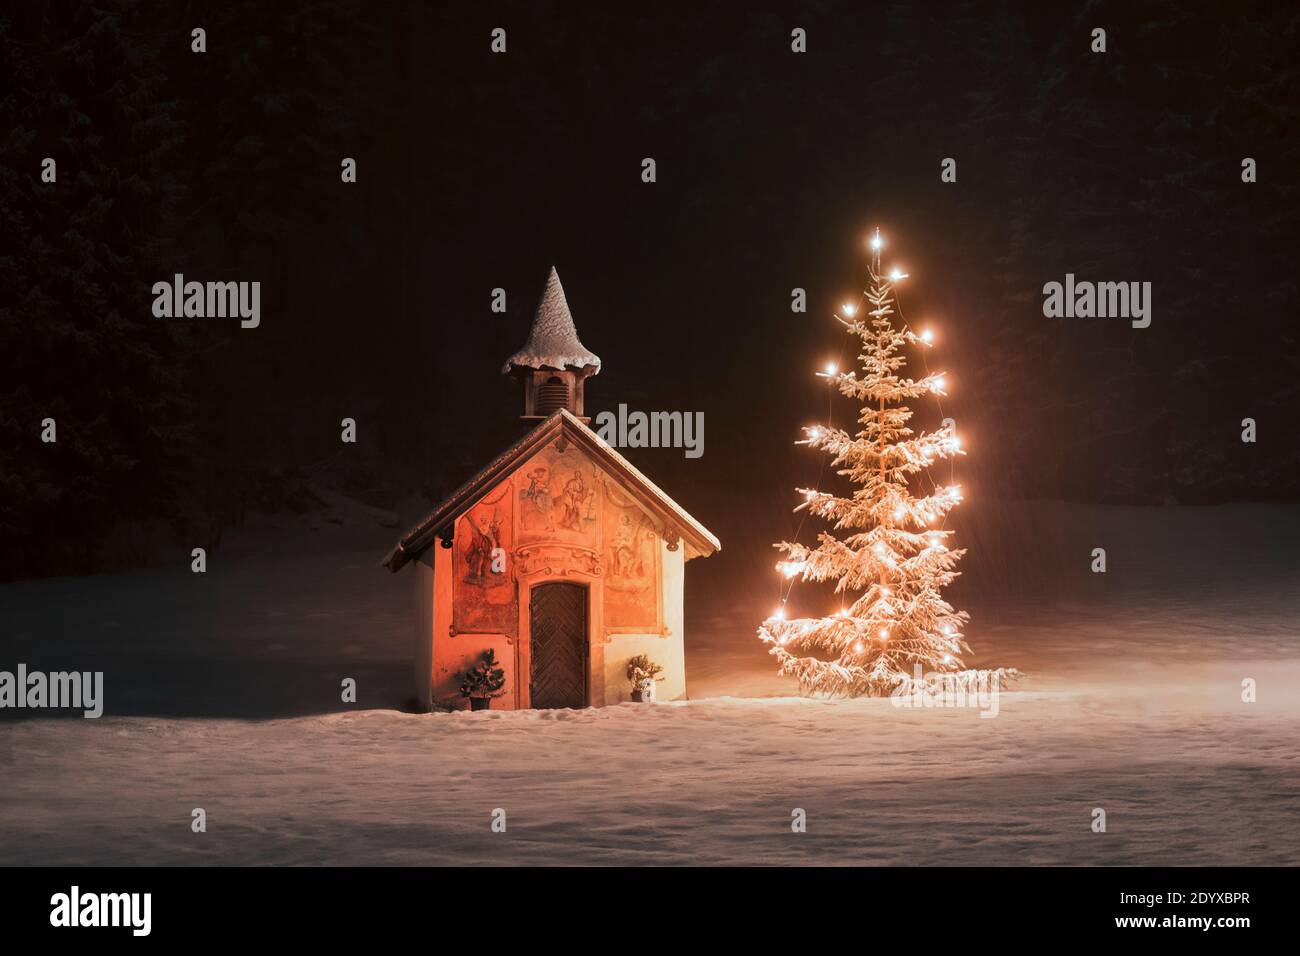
(557, 614)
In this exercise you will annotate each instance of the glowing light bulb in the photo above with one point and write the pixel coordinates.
(884, 634)
(886, 592)
(849, 309)
(927, 336)
(831, 368)
(956, 442)
(790, 568)
(876, 242)
(896, 273)
(898, 514)
(947, 630)
(814, 432)
(857, 648)
(947, 658)
(939, 384)
(880, 548)
(779, 614)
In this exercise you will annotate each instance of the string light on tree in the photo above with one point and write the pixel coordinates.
(888, 564)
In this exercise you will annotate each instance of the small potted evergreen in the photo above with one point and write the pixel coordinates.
(483, 681)
(642, 674)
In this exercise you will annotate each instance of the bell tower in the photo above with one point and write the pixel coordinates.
(552, 365)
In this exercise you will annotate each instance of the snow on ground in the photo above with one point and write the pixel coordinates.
(222, 694)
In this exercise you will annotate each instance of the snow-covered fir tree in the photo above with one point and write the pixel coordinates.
(893, 556)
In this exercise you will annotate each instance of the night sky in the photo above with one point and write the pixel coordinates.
(478, 171)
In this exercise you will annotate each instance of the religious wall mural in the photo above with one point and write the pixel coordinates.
(559, 515)
(558, 499)
(631, 560)
(485, 593)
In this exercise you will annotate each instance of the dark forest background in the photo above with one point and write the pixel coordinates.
(477, 171)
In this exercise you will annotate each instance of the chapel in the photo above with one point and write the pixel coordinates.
(558, 555)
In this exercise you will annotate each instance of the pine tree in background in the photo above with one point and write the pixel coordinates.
(894, 554)
(83, 85)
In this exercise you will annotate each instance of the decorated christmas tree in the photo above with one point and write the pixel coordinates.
(887, 549)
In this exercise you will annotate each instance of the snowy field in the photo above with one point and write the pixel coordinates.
(221, 693)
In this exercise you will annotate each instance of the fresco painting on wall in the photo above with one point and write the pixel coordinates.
(485, 601)
(557, 499)
(631, 559)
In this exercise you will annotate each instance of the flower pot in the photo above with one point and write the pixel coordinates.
(636, 696)
(480, 703)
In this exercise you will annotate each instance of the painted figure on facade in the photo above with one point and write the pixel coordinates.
(536, 498)
(574, 497)
(628, 559)
(483, 543)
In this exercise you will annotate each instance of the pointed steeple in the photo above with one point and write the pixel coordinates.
(553, 364)
(553, 339)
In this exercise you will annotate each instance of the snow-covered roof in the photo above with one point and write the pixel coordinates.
(553, 340)
(699, 541)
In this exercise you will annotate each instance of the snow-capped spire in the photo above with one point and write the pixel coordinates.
(553, 339)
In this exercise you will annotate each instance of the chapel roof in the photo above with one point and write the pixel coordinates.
(553, 339)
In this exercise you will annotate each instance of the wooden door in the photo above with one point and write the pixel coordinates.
(557, 616)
